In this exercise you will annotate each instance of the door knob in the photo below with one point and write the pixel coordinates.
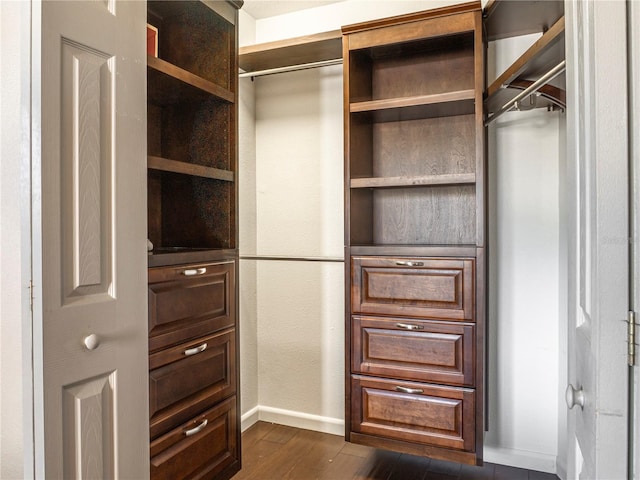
(574, 397)
(91, 342)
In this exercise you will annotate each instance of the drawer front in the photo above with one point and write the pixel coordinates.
(415, 287)
(200, 448)
(189, 301)
(431, 415)
(411, 349)
(186, 378)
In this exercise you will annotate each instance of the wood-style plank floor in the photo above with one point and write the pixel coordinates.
(275, 452)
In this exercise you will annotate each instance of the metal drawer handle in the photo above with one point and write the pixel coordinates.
(194, 430)
(408, 390)
(198, 349)
(410, 264)
(408, 326)
(194, 271)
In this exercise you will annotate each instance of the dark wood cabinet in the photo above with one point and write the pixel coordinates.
(415, 233)
(192, 225)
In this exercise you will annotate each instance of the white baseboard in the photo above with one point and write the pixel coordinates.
(520, 458)
(249, 418)
(500, 455)
(291, 418)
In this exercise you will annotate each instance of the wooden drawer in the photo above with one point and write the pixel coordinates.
(189, 301)
(440, 352)
(185, 379)
(203, 454)
(415, 287)
(432, 415)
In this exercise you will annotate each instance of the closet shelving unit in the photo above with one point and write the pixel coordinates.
(194, 396)
(504, 19)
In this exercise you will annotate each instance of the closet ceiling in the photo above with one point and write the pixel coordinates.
(270, 8)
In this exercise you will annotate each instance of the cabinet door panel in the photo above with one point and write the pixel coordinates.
(189, 301)
(414, 412)
(416, 287)
(200, 448)
(413, 349)
(181, 384)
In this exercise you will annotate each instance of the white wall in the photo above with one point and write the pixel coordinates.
(298, 313)
(14, 55)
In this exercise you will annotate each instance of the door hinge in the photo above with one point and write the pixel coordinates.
(631, 338)
(31, 295)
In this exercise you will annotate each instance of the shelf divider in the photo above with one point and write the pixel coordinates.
(414, 181)
(175, 166)
(189, 79)
(292, 51)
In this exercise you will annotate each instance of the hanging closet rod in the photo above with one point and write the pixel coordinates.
(534, 87)
(291, 68)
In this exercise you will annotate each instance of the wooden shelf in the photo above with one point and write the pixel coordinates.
(174, 166)
(510, 18)
(293, 51)
(169, 84)
(421, 106)
(543, 55)
(414, 181)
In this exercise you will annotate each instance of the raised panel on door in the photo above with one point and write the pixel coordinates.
(414, 412)
(411, 349)
(189, 301)
(189, 377)
(201, 448)
(417, 287)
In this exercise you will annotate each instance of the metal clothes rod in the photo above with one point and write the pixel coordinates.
(291, 68)
(292, 259)
(534, 87)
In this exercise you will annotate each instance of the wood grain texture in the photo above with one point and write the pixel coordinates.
(291, 51)
(544, 54)
(436, 146)
(267, 453)
(508, 18)
(87, 106)
(166, 165)
(424, 216)
(398, 29)
(203, 455)
(194, 38)
(434, 415)
(407, 181)
(413, 349)
(89, 428)
(182, 308)
(432, 288)
(180, 386)
(170, 84)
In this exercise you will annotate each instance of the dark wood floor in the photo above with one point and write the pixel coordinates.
(274, 452)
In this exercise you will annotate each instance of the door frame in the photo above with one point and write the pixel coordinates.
(633, 55)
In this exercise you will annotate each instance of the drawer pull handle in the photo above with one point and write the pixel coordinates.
(194, 271)
(198, 349)
(408, 390)
(408, 326)
(410, 264)
(194, 430)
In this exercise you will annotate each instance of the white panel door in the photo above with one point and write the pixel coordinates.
(90, 239)
(599, 231)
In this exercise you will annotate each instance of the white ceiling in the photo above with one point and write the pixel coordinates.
(270, 8)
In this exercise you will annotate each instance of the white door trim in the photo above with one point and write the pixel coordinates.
(633, 19)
